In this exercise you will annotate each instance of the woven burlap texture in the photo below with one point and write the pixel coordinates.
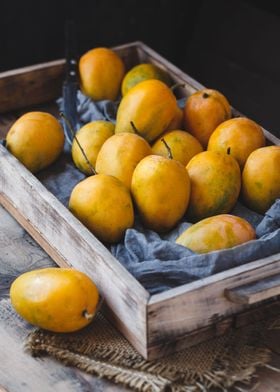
(99, 349)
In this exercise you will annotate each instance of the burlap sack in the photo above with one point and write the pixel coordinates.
(217, 364)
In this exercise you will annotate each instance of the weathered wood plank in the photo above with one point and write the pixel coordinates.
(146, 54)
(253, 292)
(41, 83)
(219, 325)
(31, 85)
(177, 312)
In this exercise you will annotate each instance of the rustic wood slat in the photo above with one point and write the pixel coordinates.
(219, 325)
(253, 292)
(172, 315)
(146, 54)
(31, 85)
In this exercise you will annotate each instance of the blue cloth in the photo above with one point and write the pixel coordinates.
(89, 110)
(160, 264)
(156, 260)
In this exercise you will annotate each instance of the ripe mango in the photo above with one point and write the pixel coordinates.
(261, 178)
(36, 139)
(161, 188)
(120, 154)
(203, 112)
(150, 105)
(215, 184)
(104, 205)
(216, 233)
(55, 299)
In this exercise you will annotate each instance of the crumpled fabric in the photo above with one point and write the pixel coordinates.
(271, 221)
(156, 261)
(160, 264)
(88, 110)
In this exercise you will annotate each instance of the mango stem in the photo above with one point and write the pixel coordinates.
(170, 156)
(88, 316)
(77, 141)
(134, 128)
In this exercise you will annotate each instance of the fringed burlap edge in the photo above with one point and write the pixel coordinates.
(145, 381)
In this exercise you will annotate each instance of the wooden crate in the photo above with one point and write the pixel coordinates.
(155, 324)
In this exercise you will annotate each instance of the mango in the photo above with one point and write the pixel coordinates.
(261, 178)
(161, 189)
(104, 205)
(55, 299)
(120, 154)
(182, 144)
(215, 184)
(36, 139)
(141, 72)
(216, 233)
(91, 138)
(101, 73)
(203, 112)
(150, 106)
(238, 135)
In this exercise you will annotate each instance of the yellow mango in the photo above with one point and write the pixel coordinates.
(216, 233)
(238, 135)
(150, 105)
(104, 205)
(141, 72)
(203, 112)
(182, 144)
(91, 138)
(261, 178)
(120, 154)
(101, 72)
(55, 299)
(161, 188)
(36, 139)
(215, 184)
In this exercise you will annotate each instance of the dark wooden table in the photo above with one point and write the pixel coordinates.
(19, 372)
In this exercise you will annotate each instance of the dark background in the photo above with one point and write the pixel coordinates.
(232, 46)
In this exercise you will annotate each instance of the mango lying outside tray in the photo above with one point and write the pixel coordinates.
(155, 324)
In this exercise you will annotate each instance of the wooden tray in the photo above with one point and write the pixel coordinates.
(155, 324)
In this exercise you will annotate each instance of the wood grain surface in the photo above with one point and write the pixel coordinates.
(29, 85)
(255, 291)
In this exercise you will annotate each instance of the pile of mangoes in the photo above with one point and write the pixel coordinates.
(159, 161)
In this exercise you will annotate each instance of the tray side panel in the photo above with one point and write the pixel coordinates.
(173, 315)
(31, 85)
(218, 327)
(68, 242)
